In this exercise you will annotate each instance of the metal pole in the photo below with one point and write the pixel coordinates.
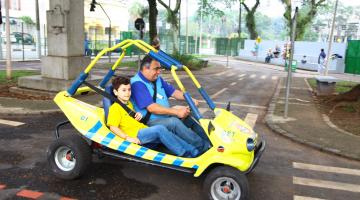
(240, 19)
(109, 54)
(187, 27)
(45, 40)
(201, 19)
(8, 41)
(288, 83)
(22, 41)
(330, 40)
(38, 29)
(1, 22)
(227, 53)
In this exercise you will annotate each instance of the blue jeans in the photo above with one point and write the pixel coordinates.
(176, 126)
(160, 134)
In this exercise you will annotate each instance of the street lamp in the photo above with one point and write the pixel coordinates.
(92, 9)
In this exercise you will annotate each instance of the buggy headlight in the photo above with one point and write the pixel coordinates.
(250, 144)
(244, 129)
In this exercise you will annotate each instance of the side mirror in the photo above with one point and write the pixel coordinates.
(210, 128)
(228, 106)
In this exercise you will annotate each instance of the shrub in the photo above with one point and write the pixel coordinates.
(191, 61)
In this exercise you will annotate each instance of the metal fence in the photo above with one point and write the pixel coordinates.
(24, 45)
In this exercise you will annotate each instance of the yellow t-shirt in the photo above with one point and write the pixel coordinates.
(120, 118)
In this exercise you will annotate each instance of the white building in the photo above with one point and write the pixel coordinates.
(95, 22)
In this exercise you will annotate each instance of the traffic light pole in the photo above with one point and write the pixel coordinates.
(288, 83)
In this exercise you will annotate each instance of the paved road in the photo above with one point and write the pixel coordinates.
(286, 170)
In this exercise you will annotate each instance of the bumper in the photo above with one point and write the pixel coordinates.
(259, 150)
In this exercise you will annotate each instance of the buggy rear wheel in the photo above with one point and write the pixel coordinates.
(226, 183)
(69, 156)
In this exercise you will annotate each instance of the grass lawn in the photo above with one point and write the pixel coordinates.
(340, 87)
(15, 74)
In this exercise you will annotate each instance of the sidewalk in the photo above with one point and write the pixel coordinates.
(305, 124)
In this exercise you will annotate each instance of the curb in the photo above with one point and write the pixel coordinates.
(277, 129)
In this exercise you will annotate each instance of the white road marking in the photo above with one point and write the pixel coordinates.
(237, 104)
(263, 77)
(230, 74)
(203, 110)
(250, 119)
(326, 184)
(274, 77)
(10, 123)
(219, 92)
(221, 73)
(253, 76)
(322, 168)
(240, 79)
(305, 198)
(233, 83)
(241, 75)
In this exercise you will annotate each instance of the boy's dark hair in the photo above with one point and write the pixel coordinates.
(120, 80)
(145, 62)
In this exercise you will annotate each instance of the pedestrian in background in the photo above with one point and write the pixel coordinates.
(321, 61)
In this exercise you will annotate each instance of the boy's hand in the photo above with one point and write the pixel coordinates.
(133, 140)
(196, 102)
(138, 116)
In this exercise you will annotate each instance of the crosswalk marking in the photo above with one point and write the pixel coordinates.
(326, 184)
(219, 92)
(253, 76)
(250, 119)
(233, 83)
(230, 74)
(241, 75)
(237, 104)
(10, 123)
(305, 198)
(263, 77)
(322, 168)
(221, 73)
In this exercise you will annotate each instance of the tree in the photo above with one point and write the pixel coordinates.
(305, 16)
(153, 12)
(250, 18)
(172, 18)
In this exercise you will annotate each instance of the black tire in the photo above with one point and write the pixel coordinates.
(227, 177)
(77, 153)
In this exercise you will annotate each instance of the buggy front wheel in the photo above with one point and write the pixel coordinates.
(69, 156)
(226, 183)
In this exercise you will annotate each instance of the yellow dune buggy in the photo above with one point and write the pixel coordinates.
(235, 151)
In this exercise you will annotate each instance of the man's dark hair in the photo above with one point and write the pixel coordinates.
(120, 80)
(322, 49)
(145, 62)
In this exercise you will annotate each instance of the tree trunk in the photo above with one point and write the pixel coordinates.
(304, 19)
(352, 95)
(175, 31)
(250, 19)
(153, 12)
(250, 24)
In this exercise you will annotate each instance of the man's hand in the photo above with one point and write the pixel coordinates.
(138, 116)
(182, 112)
(133, 140)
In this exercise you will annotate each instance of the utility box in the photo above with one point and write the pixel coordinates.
(325, 85)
